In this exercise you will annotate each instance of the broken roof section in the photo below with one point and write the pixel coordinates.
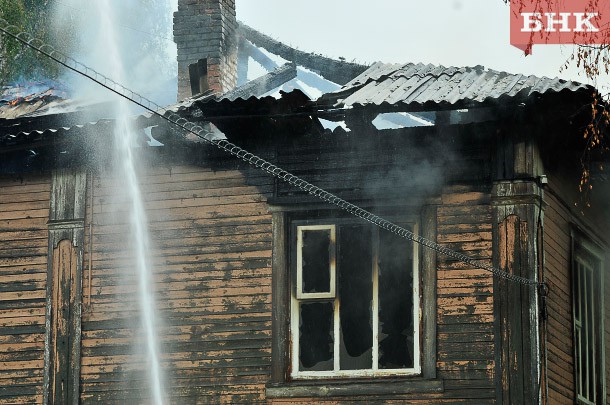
(333, 70)
(267, 67)
(387, 95)
(27, 97)
(261, 58)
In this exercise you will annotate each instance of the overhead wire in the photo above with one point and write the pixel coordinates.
(248, 157)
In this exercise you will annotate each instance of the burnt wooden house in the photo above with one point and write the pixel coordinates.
(267, 294)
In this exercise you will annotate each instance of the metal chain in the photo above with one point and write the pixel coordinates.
(268, 167)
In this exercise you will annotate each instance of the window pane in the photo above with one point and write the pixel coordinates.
(316, 260)
(590, 335)
(395, 301)
(316, 336)
(586, 291)
(355, 297)
(577, 287)
(579, 375)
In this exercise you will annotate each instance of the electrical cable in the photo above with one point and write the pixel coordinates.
(268, 167)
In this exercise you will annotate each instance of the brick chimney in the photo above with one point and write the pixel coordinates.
(205, 34)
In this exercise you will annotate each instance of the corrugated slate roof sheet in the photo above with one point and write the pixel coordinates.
(25, 130)
(34, 137)
(54, 120)
(433, 86)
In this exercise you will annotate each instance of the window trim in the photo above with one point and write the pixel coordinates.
(332, 223)
(281, 383)
(580, 242)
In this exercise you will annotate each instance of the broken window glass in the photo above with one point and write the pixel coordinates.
(316, 336)
(316, 256)
(395, 301)
(355, 297)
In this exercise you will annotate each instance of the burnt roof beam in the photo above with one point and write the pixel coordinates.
(246, 49)
(338, 71)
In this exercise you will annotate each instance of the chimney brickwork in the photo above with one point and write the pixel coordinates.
(206, 30)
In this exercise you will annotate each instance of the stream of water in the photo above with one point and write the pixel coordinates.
(125, 142)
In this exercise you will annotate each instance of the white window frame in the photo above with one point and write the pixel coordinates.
(332, 260)
(579, 263)
(374, 371)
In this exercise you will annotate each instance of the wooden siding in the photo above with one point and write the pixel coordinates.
(211, 257)
(557, 273)
(387, 168)
(211, 253)
(560, 220)
(24, 209)
(465, 298)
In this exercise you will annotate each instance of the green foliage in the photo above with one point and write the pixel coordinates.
(16, 60)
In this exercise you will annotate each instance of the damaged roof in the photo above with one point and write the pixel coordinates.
(338, 71)
(30, 97)
(39, 130)
(395, 87)
(430, 87)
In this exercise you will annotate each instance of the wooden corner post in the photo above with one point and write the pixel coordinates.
(516, 211)
(64, 288)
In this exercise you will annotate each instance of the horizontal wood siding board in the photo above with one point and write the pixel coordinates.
(25, 224)
(9, 186)
(211, 186)
(195, 192)
(18, 206)
(186, 229)
(24, 210)
(234, 242)
(111, 226)
(159, 206)
(29, 197)
(25, 213)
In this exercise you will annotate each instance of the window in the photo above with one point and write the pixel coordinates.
(588, 327)
(354, 302)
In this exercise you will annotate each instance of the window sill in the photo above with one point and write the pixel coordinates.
(326, 388)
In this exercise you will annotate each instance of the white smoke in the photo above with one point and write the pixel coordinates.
(145, 41)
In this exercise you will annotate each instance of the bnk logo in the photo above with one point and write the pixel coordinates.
(559, 22)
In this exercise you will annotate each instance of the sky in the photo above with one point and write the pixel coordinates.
(446, 32)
